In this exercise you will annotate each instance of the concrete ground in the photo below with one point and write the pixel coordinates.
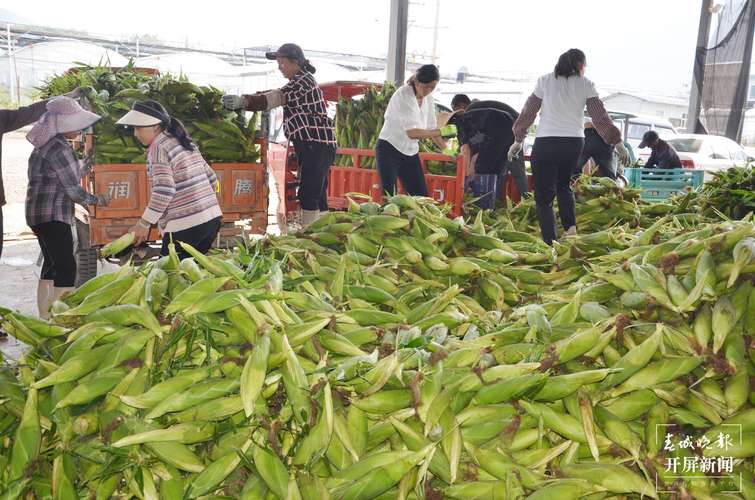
(19, 271)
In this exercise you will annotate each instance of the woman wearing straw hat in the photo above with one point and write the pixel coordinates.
(54, 186)
(183, 202)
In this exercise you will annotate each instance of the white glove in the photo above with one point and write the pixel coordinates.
(233, 102)
(622, 153)
(514, 151)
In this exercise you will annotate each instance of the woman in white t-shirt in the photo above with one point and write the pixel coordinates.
(410, 116)
(561, 98)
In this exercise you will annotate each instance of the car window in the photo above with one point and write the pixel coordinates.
(637, 130)
(737, 153)
(686, 145)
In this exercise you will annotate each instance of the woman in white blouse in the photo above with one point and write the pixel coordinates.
(410, 117)
(561, 98)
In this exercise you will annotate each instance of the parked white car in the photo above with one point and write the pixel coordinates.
(708, 152)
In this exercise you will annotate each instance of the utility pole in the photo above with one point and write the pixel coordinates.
(698, 73)
(137, 46)
(435, 31)
(397, 41)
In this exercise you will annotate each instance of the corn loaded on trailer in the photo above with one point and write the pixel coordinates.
(243, 195)
(356, 178)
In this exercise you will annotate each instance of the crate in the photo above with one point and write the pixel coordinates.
(356, 179)
(662, 183)
(243, 193)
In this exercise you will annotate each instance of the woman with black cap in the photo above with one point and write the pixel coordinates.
(183, 202)
(561, 98)
(305, 122)
(410, 116)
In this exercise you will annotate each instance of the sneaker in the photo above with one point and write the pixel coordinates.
(572, 231)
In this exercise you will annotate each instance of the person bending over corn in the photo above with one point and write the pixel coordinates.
(183, 202)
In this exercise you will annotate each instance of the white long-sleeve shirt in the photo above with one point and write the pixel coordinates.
(404, 113)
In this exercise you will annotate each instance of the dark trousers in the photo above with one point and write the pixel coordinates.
(553, 161)
(518, 174)
(200, 237)
(392, 164)
(315, 159)
(56, 242)
(1, 230)
(597, 149)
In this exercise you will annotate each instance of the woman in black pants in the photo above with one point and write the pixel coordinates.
(54, 186)
(410, 116)
(305, 122)
(561, 98)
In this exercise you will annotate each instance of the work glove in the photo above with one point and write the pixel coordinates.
(233, 102)
(103, 200)
(448, 131)
(622, 153)
(514, 151)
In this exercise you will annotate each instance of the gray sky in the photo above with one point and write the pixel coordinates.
(639, 44)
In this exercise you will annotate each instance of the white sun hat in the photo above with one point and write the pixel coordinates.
(144, 114)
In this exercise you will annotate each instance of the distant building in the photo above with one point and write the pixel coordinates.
(673, 109)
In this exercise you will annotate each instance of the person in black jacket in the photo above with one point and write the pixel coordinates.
(485, 131)
(663, 154)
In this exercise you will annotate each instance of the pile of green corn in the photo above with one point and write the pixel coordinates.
(731, 192)
(221, 136)
(392, 352)
(601, 203)
(358, 122)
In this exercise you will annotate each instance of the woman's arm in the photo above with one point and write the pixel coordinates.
(12, 119)
(602, 122)
(440, 142)
(423, 133)
(526, 117)
(66, 167)
(163, 190)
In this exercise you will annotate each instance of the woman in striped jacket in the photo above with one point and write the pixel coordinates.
(183, 202)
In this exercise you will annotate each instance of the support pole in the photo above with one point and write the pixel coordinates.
(397, 41)
(698, 73)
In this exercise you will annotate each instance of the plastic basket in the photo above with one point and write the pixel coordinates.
(660, 183)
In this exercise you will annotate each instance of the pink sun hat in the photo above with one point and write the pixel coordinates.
(63, 115)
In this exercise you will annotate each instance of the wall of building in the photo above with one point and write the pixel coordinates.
(676, 114)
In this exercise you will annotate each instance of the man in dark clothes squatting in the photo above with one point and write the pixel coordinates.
(600, 152)
(485, 129)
